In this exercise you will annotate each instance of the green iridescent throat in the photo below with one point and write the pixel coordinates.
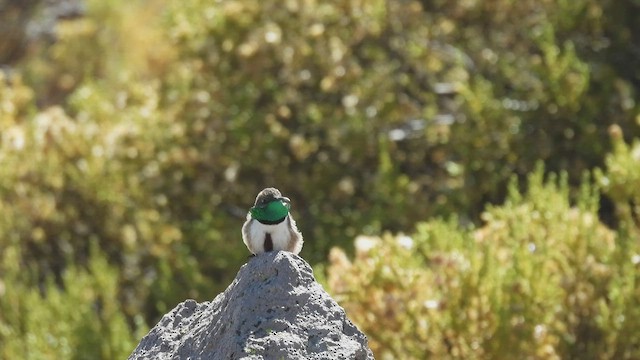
(272, 211)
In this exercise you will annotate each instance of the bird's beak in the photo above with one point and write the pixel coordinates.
(285, 199)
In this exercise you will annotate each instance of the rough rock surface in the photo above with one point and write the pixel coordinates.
(274, 309)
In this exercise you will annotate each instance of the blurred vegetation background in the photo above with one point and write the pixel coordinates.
(484, 156)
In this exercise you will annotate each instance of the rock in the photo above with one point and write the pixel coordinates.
(23, 22)
(274, 309)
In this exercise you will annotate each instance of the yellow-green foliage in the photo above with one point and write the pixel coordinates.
(77, 317)
(541, 278)
(148, 126)
(621, 181)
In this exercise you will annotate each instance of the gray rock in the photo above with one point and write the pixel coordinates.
(274, 309)
(23, 22)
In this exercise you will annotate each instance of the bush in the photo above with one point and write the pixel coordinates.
(541, 278)
(79, 318)
(621, 181)
(371, 117)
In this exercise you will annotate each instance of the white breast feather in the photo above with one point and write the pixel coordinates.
(279, 236)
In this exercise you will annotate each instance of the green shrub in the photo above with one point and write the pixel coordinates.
(541, 278)
(79, 318)
(149, 126)
(621, 181)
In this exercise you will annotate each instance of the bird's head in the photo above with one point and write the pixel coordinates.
(270, 206)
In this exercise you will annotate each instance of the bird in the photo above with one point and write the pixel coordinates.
(270, 226)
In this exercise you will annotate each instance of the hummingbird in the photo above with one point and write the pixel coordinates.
(270, 226)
